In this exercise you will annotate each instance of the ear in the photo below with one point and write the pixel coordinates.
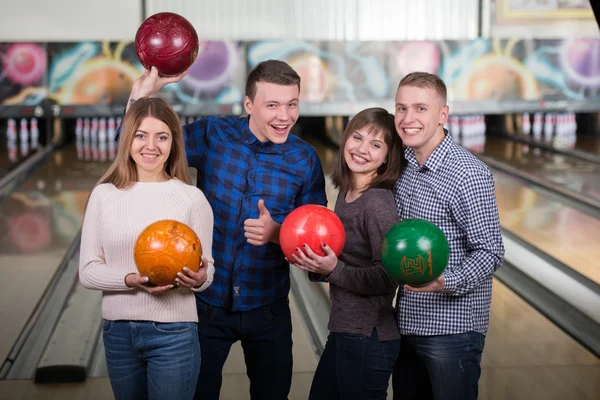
(248, 105)
(444, 114)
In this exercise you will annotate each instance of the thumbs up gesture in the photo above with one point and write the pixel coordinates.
(262, 230)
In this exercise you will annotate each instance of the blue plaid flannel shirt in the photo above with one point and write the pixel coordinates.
(455, 191)
(235, 170)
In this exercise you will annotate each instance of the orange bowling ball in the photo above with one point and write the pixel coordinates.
(164, 248)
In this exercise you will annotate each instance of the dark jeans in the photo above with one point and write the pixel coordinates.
(354, 366)
(439, 367)
(151, 360)
(266, 336)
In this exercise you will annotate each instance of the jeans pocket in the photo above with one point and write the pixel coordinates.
(107, 326)
(173, 327)
(279, 311)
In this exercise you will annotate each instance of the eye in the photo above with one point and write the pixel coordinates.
(356, 137)
(271, 106)
(139, 135)
(401, 108)
(293, 105)
(163, 137)
(422, 109)
(377, 145)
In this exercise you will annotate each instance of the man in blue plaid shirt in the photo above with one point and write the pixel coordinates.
(443, 324)
(254, 173)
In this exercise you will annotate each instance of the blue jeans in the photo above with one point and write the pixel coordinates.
(354, 366)
(266, 336)
(439, 367)
(152, 360)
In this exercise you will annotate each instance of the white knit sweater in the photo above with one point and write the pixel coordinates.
(113, 220)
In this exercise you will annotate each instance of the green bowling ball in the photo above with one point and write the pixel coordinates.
(414, 252)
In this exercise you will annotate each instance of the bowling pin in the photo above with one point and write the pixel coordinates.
(11, 130)
(94, 131)
(102, 147)
(24, 131)
(112, 130)
(79, 146)
(86, 129)
(12, 151)
(526, 124)
(35, 133)
(102, 133)
(79, 129)
(537, 126)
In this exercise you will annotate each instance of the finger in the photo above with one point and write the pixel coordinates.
(253, 223)
(182, 278)
(254, 229)
(328, 251)
(154, 72)
(253, 236)
(159, 289)
(307, 259)
(262, 209)
(255, 242)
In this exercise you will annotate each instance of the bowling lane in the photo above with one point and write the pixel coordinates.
(572, 174)
(588, 144)
(13, 153)
(39, 221)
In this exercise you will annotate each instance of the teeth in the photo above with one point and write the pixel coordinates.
(358, 159)
(412, 130)
(280, 126)
(150, 155)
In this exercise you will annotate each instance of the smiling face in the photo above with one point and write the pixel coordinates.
(364, 152)
(419, 118)
(273, 112)
(150, 149)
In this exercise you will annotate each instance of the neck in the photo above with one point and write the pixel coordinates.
(148, 177)
(359, 183)
(253, 129)
(423, 153)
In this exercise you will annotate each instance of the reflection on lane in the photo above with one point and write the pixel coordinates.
(564, 233)
(38, 222)
(579, 176)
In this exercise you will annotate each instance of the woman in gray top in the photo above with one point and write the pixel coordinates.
(364, 341)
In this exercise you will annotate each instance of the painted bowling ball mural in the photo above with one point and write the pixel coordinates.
(102, 84)
(495, 77)
(417, 56)
(164, 248)
(580, 60)
(24, 64)
(213, 69)
(314, 77)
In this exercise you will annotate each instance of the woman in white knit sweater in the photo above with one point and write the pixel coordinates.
(150, 332)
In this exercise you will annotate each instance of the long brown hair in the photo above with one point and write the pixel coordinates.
(123, 171)
(374, 119)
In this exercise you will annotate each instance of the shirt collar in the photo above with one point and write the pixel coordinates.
(246, 136)
(436, 158)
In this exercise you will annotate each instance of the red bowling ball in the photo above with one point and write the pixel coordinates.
(168, 42)
(313, 225)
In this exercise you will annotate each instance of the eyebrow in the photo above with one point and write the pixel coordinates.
(417, 104)
(158, 133)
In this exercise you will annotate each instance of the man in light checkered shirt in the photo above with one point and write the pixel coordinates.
(443, 324)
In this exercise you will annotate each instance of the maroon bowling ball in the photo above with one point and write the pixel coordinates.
(168, 42)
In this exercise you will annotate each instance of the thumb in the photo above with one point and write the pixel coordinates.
(262, 209)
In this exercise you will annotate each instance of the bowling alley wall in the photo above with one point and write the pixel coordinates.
(485, 74)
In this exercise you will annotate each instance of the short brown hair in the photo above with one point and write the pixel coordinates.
(272, 71)
(426, 80)
(123, 171)
(375, 120)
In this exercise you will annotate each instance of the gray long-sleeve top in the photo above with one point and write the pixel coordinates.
(361, 291)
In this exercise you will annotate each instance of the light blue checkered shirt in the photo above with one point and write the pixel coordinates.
(455, 191)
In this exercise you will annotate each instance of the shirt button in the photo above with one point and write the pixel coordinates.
(255, 155)
(251, 175)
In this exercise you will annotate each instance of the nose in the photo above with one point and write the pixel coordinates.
(409, 116)
(282, 113)
(363, 147)
(151, 143)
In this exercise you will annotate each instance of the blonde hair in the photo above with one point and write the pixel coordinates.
(425, 80)
(123, 171)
